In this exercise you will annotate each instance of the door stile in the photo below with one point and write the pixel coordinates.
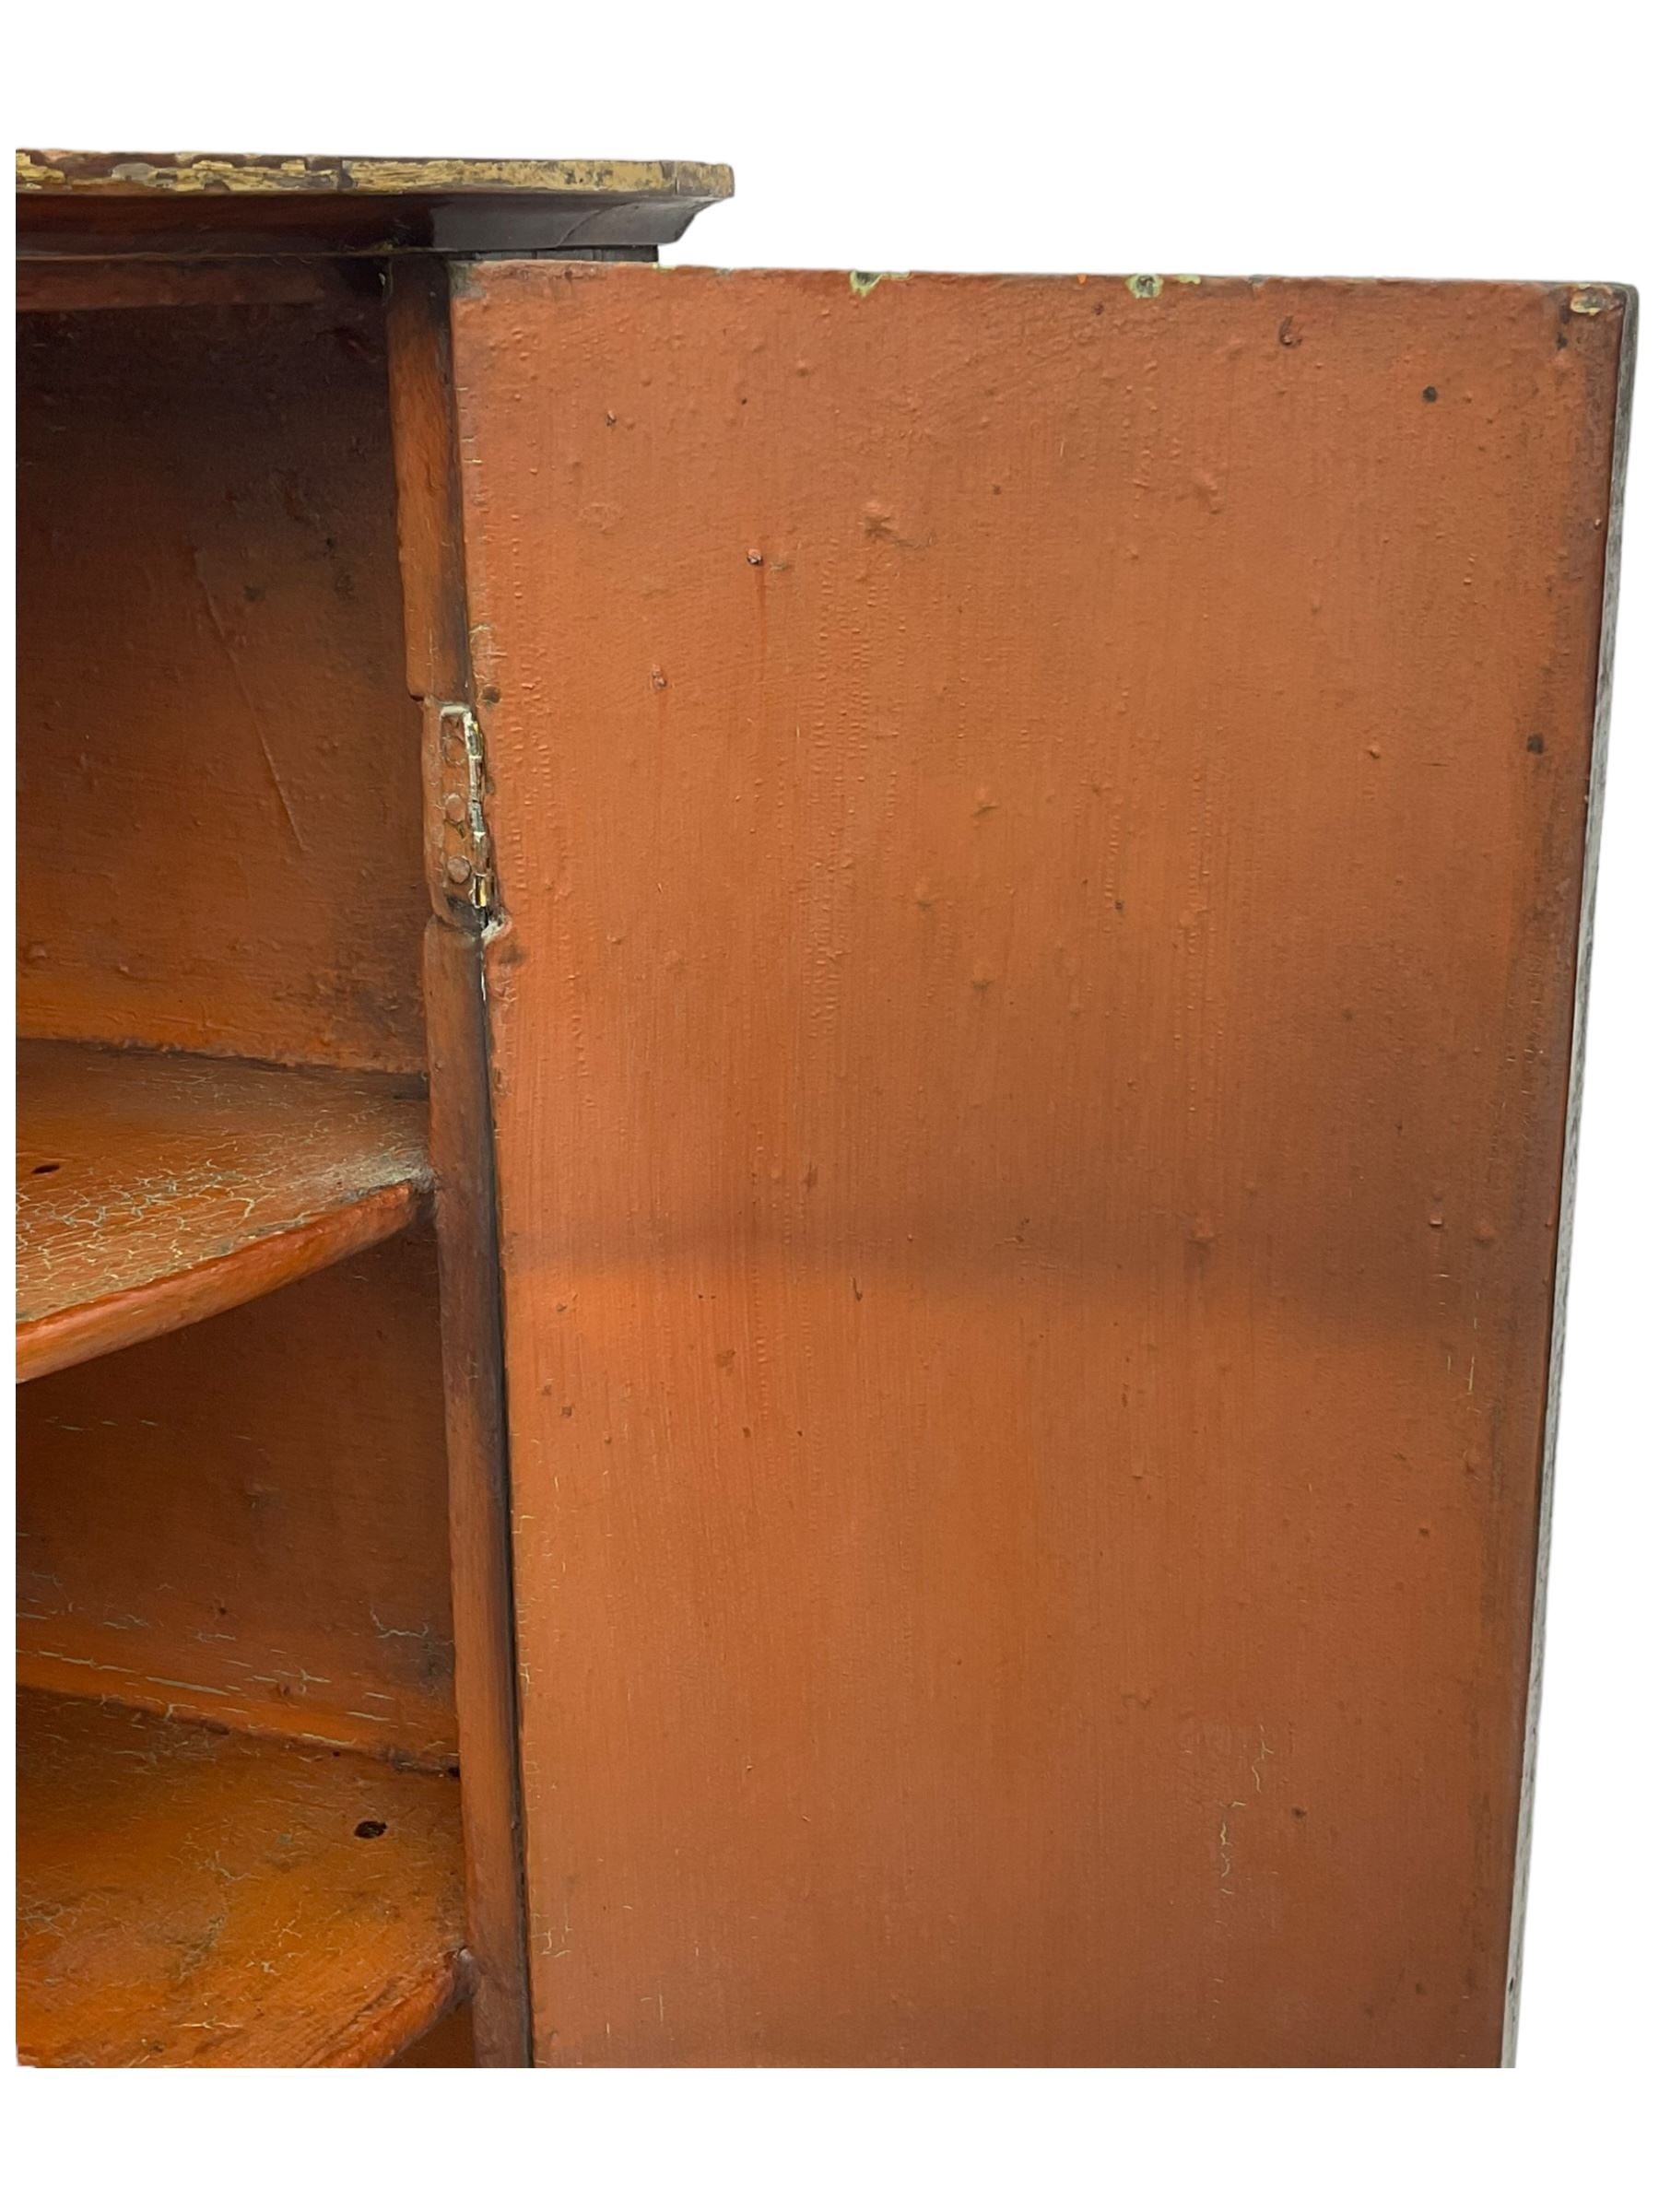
(439, 676)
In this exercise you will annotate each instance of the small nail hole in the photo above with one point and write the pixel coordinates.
(369, 1830)
(48, 1167)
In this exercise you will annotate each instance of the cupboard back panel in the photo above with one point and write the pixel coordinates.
(219, 763)
(245, 1522)
(1040, 826)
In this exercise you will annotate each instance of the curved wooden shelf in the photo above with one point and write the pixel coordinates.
(155, 1189)
(187, 1897)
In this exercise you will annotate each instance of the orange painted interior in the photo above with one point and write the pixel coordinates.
(244, 1522)
(216, 755)
(189, 1897)
(236, 1639)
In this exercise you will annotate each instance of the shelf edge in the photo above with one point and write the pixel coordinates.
(173, 1302)
(388, 2034)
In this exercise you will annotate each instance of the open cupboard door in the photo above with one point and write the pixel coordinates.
(1041, 835)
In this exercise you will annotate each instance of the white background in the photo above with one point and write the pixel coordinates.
(1437, 141)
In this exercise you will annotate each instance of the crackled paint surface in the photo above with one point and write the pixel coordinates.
(139, 1173)
(187, 1897)
(1040, 823)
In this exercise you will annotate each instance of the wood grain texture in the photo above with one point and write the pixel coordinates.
(79, 286)
(219, 767)
(245, 1522)
(1041, 825)
(188, 1898)
(156, 1188)
(437, 660)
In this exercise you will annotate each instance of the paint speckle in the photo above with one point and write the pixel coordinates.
(864, 281)
(1430, 394)
(1535, 744)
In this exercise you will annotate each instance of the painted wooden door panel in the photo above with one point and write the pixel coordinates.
(1041, 825)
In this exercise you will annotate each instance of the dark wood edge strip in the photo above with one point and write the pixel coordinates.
(173, 1302)
(463, 1153)
(480, 1553)
(1626, 302)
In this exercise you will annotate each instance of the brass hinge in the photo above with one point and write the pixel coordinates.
(463, 869)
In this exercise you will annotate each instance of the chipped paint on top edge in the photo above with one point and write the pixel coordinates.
(864, 281)
(1143, 287)
(681, 180)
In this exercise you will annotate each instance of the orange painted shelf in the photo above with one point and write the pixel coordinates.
(187, 1897)
(156, 1188)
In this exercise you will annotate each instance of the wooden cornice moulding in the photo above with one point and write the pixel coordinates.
(119, 205)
